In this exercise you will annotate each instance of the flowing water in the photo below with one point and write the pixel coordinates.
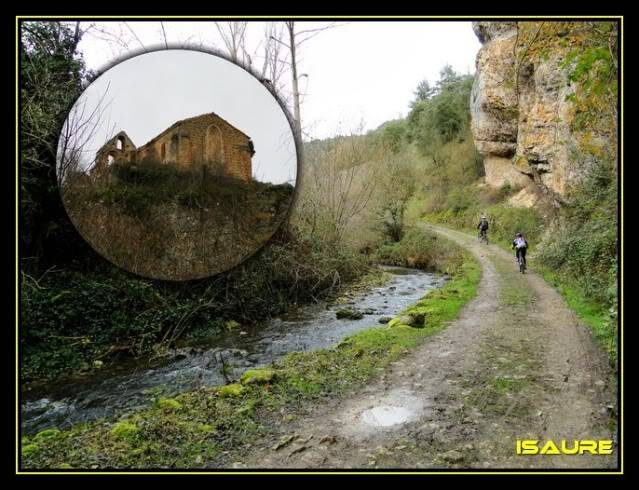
(218, 360)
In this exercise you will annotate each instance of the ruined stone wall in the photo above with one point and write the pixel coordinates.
(204, 139)
(127, 152)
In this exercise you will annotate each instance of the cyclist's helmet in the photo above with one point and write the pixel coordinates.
(519, 234)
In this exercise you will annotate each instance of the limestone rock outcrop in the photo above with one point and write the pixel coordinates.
(494, 104)
(523, 111)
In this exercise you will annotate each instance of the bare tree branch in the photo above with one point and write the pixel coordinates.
(166, 43)
(79, 128)
(233, 36)
(136, 36)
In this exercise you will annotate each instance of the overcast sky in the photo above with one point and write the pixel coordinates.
(148, 93)
(368, 71)
(359, 74)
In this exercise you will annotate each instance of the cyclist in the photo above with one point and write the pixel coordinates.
(520, 245)
(483, 227)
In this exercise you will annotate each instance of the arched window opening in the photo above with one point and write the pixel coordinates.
(173, 149)
(119, 144)
(110, 159)
(214, 145)
(163, 152)
(185, 150)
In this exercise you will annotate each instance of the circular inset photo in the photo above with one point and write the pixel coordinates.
(177, 164)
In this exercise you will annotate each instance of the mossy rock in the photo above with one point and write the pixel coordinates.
(416, 319)
(232, 390)
(124, 430)
(257, 376)
(169, 404)
(29, 449)
(394, 322)
(406, 320)
(232, 325)
(64, 466)
(349, 314)
(385, 319)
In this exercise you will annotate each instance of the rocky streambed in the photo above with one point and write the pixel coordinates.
(136, 383)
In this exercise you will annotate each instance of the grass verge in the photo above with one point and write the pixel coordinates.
(594, 315)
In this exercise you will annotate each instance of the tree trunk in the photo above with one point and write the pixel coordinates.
(296, 94)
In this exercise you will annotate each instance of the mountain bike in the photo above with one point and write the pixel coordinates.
(522, 263)
(483, 236)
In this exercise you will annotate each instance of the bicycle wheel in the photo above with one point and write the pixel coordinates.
(522, 265)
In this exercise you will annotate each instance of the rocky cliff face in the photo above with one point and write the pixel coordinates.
(524, 108)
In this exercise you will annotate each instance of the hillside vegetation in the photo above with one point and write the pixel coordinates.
(168, 222)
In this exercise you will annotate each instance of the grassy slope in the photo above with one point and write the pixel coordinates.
(194, 429)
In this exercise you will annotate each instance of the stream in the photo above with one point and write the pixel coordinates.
(134, 384)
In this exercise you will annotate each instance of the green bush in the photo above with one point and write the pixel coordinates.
(419, 248)
(148, 172)
(462, 199)
(505, 221)
(504, 191)
(582, 243)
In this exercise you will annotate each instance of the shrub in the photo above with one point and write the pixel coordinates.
(421, 249)
(504, 191)
(506, 220)
(462, 199)
(582, 242)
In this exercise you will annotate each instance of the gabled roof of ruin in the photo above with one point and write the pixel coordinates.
(181, 121)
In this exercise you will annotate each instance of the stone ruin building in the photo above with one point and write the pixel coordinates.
(206, 139)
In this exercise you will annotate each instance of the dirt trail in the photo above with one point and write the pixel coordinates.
(515, 364)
